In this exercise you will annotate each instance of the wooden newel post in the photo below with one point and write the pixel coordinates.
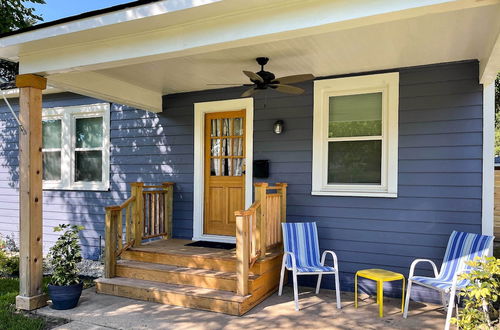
(30, 192)
(261, 235)
(242, 253)
(110, 247)
(283, 199)
(169, 204)
(137, 212)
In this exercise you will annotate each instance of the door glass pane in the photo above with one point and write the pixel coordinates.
(51, 165)
(355, 115)
(354, 162)
(225, 167)
(237, 147)
(226, 127)
(51, 136)
(238, 126)
(238, 167)
(214, 127)
(89, 132)
(226, 150)
(215, 167)
(215, 147)
(88, 166)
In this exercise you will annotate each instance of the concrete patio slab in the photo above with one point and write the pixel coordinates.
(97, 312)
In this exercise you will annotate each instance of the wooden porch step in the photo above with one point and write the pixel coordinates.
(180, 295)
(206, 261)
(202, 278)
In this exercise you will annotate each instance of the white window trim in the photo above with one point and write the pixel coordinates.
(200, 109)
(68, 115)
(388, 84)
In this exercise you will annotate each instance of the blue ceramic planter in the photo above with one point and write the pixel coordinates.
(65, 297)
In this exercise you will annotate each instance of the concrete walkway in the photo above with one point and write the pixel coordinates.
(99, 312)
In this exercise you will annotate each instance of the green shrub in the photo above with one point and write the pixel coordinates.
(65, 255)
(481, 296)
(9, 264)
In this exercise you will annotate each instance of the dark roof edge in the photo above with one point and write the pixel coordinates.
(79, 16)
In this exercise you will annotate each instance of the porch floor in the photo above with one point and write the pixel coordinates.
(177, 246)
(96, 311)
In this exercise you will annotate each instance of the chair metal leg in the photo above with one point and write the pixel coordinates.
(356, 290)
(451, 304)
(403, 295)
(337, 290)
(407, 300)
(295, 290)
(319, 283)
(282, 277)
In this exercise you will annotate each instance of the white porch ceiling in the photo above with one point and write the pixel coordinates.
(442, 37)
(136, 55)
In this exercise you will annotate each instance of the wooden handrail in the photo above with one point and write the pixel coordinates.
(148, 214)
(258, 228)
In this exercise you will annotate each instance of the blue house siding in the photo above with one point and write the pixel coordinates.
(440, 164)
(137, 142)
(440, 155)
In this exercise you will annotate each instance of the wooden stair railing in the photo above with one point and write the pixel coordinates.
(147, 213)
(258, 229)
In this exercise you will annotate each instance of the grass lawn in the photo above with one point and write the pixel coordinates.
(14, 320)
(9, 318)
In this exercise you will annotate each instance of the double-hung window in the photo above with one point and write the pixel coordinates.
(355, 143)
(76, 147)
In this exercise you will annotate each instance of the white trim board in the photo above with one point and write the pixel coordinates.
(200, 109)
(488, 159)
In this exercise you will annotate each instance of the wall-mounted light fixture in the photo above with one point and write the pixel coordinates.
(278, 127)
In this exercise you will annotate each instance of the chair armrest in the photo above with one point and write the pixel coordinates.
(335, 260)
(292, 256)
(416, 261)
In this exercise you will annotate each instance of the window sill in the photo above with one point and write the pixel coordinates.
(89, 187)
(383, 194)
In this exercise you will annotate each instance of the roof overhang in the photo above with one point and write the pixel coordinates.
(135, 55)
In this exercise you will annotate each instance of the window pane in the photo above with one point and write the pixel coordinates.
(355, 115)
(354, 162)
(51, 134)
(238, 126)
(238, 147)
(89, 132)
(215, 127)
(51, 165)
(88, 166)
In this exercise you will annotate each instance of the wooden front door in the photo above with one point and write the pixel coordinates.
(224, 171)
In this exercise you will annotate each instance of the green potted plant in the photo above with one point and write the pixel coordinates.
(481, 297)
(65, 286)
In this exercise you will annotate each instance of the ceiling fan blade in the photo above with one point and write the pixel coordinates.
(225, 84)
(230, 84)
(287, 89)
(295, 78)
(249, 92)
(253, 76)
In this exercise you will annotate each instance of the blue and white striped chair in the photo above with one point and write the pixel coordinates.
(461, 247)
(301, 256)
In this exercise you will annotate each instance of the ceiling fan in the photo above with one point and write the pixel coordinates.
(265, 79)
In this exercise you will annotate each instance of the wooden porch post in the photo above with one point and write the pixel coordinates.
(30, 192)
(137, 211)
(168, 210)
(283, 200)
(242, 253)
(261, 235)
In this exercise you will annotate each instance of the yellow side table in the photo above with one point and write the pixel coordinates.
(380, 276)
